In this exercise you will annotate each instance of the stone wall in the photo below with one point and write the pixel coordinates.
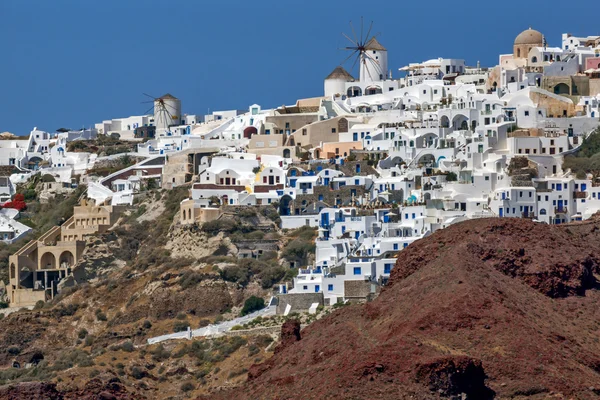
(594, 87)
(270, 330)
(298, 301)
(358, 290)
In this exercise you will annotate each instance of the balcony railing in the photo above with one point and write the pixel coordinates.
(560, 210)
(528, 215)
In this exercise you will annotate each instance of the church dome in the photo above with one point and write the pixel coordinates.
(530, 36)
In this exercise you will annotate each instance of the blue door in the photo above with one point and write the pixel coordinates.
(325, 219)
(503, 196)
(583, 187)
(355, 136)
(317, 288)
(560, 205)
(501, 212)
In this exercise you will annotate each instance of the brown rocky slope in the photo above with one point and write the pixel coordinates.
(500, 308)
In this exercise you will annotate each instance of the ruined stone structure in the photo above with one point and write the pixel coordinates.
(37, 268)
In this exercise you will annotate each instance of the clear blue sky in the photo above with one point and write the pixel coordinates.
(73, 63)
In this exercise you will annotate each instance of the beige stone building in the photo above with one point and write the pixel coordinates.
(314, 134)
(37, 268)
(191, 212)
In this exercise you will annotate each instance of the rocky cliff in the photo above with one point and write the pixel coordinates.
(499, 308)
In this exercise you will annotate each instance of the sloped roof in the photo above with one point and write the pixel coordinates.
(373, 44)
(340, 73)
(168, 96)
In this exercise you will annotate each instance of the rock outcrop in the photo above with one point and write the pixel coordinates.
(482, 308)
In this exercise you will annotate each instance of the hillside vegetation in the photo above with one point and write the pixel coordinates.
(149, 276)
(587, 159)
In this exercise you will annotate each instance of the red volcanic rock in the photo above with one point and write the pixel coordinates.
(510, 296)
(551, 259)
(454, 376)
(290, 334)
(30, 390)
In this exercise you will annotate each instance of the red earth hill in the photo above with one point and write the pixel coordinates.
(498, 308)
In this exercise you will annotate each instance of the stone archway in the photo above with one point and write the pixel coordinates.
(562, 88)
(66, 259)
(48, 261)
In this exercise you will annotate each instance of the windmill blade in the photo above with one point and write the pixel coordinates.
(353, 32)
(165, 105)
(355, 61)
(148, 110)
(368, 72)
(152, 97)
(147, 102)
(351, 41)
(349, 57)
(369, 32)
(371, 58)
(362, 42)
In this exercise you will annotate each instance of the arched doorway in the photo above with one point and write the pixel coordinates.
(286, 153)
(48, 261)
(371, 90)
(445, 122)
(427, 160)
(66, 259)
(460, 122)
(354, 91)
(284, 205)
(562, 88)
(249, 131)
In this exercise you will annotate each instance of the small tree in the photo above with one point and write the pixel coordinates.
(252, 304)
(451, 177)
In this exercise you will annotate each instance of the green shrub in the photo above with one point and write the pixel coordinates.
(187, 387)
(451, 177)
(181, 316)
(128, 346)
(160, 353)
(82, 333)
(180, 326)
(252, 304)
(100, 316)
(271, 275)
(298, 250)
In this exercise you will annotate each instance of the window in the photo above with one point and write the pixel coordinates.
(357, 271)
(305, 287)
(527, 113)
(330, 288)
(333, 130)
(387, 268)
(395, 246)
